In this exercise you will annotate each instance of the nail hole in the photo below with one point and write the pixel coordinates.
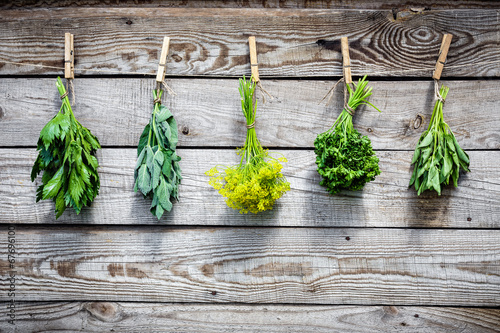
(185, 130)
(416, 316)
(369, 130)
(469, 219)
(214, 293)
(347, 238)
(403, 324)
(129, 22)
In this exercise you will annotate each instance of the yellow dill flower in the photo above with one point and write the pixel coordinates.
(256, 182)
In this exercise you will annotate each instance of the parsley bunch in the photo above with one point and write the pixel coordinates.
(256, 182)
(438, 157)
(157, 172)
(346, 159)
(67, 160)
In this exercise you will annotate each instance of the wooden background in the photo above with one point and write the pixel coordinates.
(379, 260)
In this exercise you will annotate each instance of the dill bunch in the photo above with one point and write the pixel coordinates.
(256, 182)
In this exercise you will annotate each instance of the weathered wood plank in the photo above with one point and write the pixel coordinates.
(171, 317)
(256, 265)
(385, 202)
(322, 4)
(208, 112)
(291, 42)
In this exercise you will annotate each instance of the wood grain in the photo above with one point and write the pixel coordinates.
(321, 4)
(385, 202)
(257, 265)
(291, 42)
(208, 111)
(215, 318)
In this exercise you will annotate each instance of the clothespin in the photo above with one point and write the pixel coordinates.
(253, 59)
(346, 60)
(69, 56)
(443, 52)
(160, 74)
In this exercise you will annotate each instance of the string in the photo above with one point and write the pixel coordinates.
(365, 70)
(330, 92)
(167, 88)
(346, 102)
(262, 91)
(436, 91)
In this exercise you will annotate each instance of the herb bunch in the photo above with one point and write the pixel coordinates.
(157, 172)
(438, 156)
(256, 182)
(67, 160)
(346, 159)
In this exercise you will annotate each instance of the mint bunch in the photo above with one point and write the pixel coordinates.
(157, 172)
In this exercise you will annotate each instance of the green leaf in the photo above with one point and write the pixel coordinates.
(462, 155)
(140, 159)
(149, 158)
(416, 155)
(157, 166)
(426, 141)
(164, 195)
(447, 165)
(75, 186)
(54, 184)
(433, 180)
(174, 136)
(163, 114)
(143, 141)
(144, 180)
(425, 154)
(60, 205)
(94, 143)
(159, 211)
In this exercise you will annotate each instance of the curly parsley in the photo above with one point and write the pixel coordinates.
(346, 159)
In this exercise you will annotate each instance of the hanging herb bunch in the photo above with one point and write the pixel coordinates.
(256, 182)
(157, 172)
(67, 160)
(438, 156)
(344, 157)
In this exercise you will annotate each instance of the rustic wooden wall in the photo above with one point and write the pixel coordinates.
(382, 259)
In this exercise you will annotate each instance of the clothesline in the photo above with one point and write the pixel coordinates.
(362, 70)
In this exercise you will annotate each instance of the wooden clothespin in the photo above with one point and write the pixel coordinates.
(443, 52)
(253, 59)
(346, 60)
(69, 56)
(160, 75)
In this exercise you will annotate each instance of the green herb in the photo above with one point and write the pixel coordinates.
(157, 172)
(438, 155)
(256, 182)
(67, 160)
(346, 159)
